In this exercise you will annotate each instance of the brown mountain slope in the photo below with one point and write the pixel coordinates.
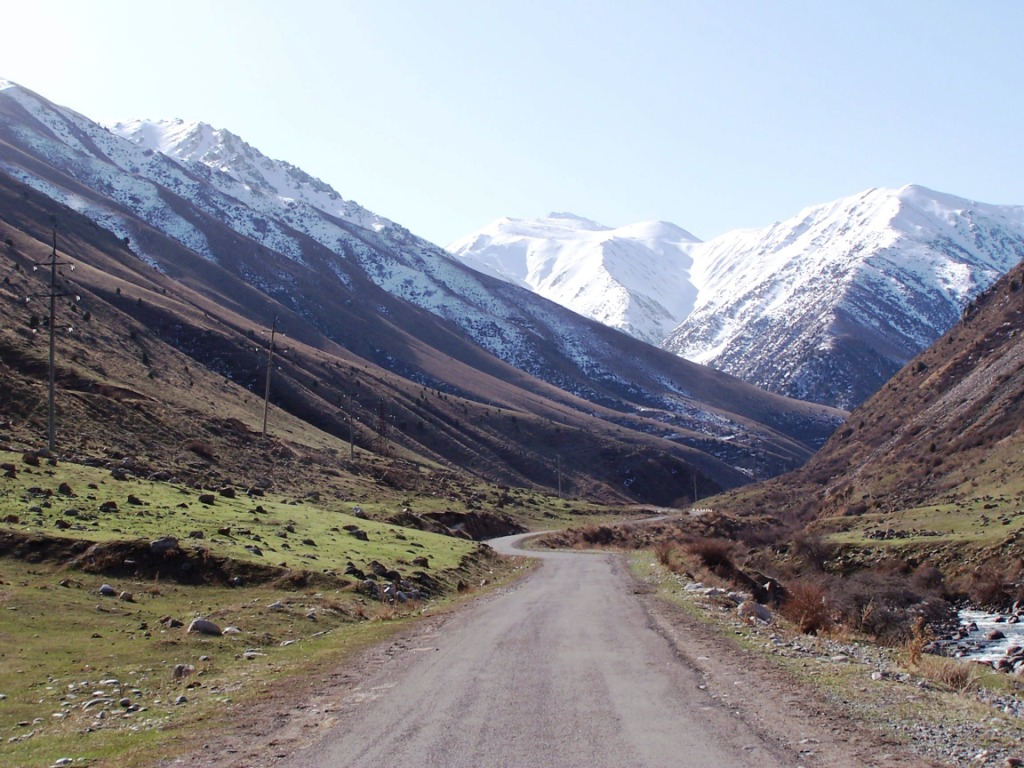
(163, 360)
(934, 462)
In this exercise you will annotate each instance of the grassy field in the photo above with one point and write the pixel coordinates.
(977, 522)
(110, 681)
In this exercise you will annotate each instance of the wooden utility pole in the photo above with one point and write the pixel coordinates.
(270, 367)
(52, 295)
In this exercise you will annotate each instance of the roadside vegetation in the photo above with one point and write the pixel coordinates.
(102, 573)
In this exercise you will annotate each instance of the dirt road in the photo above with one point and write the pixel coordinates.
(563, 669)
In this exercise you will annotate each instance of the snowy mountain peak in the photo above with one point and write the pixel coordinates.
(571, 220)
(5, 84)
(633, 278)
(252, 174)
(827, 305)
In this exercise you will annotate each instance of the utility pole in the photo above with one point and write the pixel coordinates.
(52, 295)
(270, 367)
(558, 465)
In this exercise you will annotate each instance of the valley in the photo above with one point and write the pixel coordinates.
(284, 426)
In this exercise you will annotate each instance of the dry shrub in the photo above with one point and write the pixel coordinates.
(663, 551)
(810, 549)
(807, 606)
(919, 639)
(714, 554)
(600, 535)
(886, 603)
(989, 586)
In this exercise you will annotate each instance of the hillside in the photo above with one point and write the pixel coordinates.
(933, 462)
(184, 266)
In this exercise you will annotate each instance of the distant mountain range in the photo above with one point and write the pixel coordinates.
(212, 240)
(825, 306)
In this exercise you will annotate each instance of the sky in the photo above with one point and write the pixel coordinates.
(444, 115)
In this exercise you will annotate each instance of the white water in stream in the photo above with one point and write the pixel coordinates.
(994, 649)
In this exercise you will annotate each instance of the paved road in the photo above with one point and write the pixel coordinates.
(561, 670)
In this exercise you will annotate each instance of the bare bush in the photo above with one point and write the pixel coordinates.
(714, 554)
(664, 551)
(807, 605)
(812, 550)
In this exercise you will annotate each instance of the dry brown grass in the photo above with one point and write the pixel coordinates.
(952, 674)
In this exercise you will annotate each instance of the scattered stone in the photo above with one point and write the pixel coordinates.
(108, 591)
(127, 597)
(181, 671)
(227, 492)
(108, 506)
(71, 512)
(749, 609)
(230, 631)
(359, 534)
(30, 458)
(120, 473)
(196, 535)
(204, 627)
(125, 702)
(421, 562)
(276, 606)
(12, 520)
(65, 490)
(62, 524)
(171, 623)
(994, 634)
(207, 498)
(254, 550)
(134, 500)
(181, 700)
(63, 761)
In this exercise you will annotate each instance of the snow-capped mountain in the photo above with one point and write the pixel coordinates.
(633, 278)
(824, 306)
(202, 207)
(828, 305)
(242, 171)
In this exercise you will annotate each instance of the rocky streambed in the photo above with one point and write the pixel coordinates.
(996, 639)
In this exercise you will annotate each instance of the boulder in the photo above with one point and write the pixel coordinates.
(748, 609)
(204, 627)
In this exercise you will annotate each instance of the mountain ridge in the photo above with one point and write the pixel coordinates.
(407, 309)
(823, 306)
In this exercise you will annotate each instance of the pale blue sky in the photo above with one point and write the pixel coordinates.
(447, 114)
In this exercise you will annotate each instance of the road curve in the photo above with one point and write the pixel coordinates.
(560, 670)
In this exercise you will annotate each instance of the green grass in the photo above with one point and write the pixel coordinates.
(61, 643)
(968, 523)
(64, 646)
(289, 533)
